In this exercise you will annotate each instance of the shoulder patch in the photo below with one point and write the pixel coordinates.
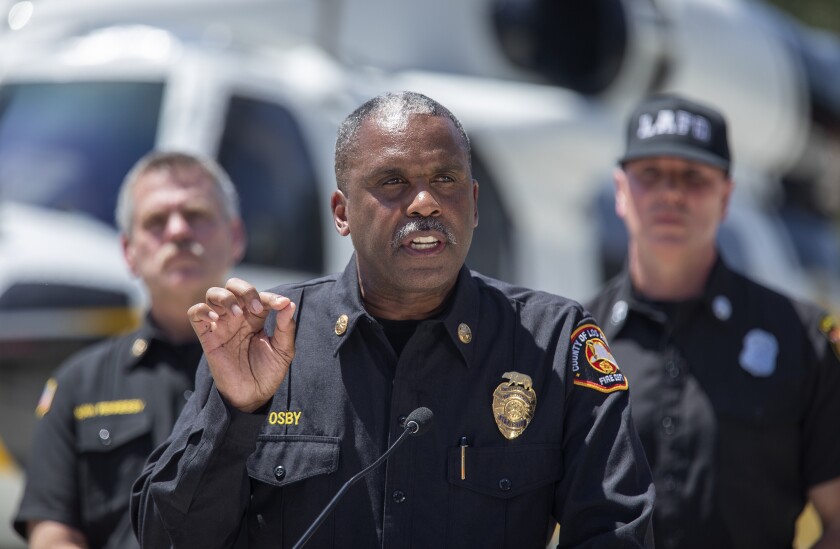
(831, 330)
(45, 401)
(593, 365)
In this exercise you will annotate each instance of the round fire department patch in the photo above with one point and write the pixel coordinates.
(593, 365)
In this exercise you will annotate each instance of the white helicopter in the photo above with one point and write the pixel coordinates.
(542, 87)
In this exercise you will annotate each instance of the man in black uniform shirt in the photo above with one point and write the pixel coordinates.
(531, 421)
(110, 405)
(736, 389)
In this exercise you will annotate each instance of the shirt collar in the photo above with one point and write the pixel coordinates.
(141, 342)
(716, 299)
(718, 295)
(459, 318)
(346, 307)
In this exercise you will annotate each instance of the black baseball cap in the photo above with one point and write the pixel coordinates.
(671, 125)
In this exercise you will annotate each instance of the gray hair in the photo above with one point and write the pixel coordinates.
(381, 107)
(168, 160)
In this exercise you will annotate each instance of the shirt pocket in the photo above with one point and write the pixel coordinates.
(758, 422)
(298, 469)
(281, 460)
(112, 451)
(504, 497)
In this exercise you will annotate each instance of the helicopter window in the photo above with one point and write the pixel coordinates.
(578, 45)
(64, 145)
(264, 152)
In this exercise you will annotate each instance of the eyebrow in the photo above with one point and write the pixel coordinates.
(378, 173)
(447, 167)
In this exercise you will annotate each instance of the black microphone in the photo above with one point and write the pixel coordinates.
(418, 422)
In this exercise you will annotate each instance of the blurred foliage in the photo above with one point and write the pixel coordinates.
(823, 14)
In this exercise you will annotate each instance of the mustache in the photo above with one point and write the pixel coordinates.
(171, 249)
(668, 209)
(421, 224)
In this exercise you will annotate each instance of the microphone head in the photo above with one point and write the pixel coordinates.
(419, 421)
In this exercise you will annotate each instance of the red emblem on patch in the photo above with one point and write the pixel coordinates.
(600, 357)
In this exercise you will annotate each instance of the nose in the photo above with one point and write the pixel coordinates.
(672, 187)
(177, 227)
(424, 205)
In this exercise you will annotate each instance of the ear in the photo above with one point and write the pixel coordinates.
(240, 240)
(727, 195)
(129, 254)
(338, 202)
(475, 203)
(621, 183)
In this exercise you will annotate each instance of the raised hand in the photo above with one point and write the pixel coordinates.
(246, 364)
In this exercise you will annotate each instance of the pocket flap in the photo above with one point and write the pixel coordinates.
(107, 433)
(505, 472)
(298, 456)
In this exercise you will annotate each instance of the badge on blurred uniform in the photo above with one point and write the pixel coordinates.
(758, 355)
(593, 364)
(514, 402)
(831, 329)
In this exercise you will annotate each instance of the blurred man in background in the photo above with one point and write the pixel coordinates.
(107, 407)
(736, 388)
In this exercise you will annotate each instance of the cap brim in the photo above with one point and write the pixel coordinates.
(678, 152)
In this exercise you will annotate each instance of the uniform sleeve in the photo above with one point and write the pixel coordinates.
(606, 496)
(820, 449)
(51, 491)
(194, 489)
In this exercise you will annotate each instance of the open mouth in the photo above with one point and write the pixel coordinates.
(424, 243)
(423, 235)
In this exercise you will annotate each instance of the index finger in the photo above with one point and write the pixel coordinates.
(246, 293)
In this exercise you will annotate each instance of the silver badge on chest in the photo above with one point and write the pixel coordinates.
(758, 355)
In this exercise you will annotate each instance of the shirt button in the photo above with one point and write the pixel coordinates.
(667, 425)
(669, 485)
(187, 394)
(105, 436)
(673, 370)
(398, 496)
(279, 472)
(504, 484)
(401, 421)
